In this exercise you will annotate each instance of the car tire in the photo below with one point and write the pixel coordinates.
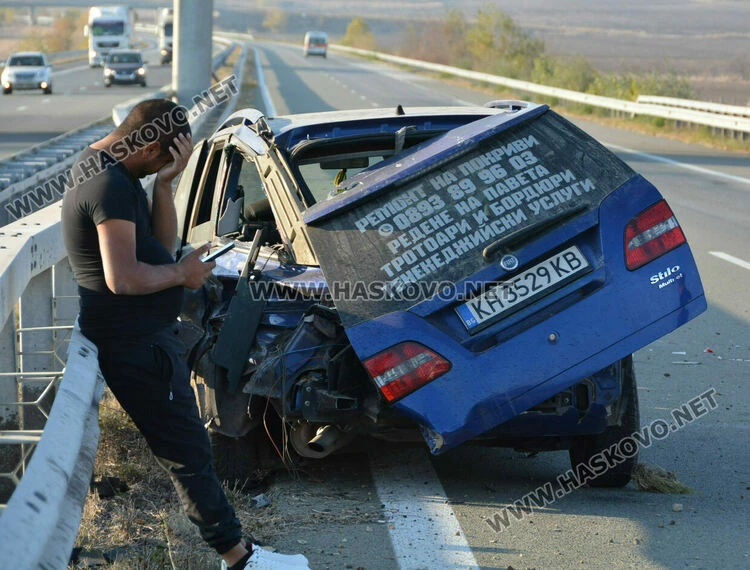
(48, 90)
(107, 84)
(7, 91)
(586, 447)
(143, 84)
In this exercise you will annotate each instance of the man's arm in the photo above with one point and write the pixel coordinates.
(163, 214)
(125, 275)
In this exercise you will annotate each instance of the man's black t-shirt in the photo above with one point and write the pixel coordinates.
(103, 189)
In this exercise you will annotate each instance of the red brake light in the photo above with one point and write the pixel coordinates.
(404, 368)
(651, 234)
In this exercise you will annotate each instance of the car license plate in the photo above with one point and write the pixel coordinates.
(523, 288)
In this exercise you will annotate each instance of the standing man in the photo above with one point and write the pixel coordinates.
(121, 250)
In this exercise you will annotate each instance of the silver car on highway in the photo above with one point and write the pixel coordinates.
(27, 70)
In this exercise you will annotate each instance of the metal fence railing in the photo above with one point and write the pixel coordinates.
(726, 122)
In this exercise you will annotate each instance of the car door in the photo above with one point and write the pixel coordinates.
(196, 198)
(186, 190)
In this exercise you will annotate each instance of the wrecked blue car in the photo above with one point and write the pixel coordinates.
(454, 275)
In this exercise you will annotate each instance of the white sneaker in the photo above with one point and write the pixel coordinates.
(264, 560)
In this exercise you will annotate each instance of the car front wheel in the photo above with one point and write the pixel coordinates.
(586, 447)
(7, 91)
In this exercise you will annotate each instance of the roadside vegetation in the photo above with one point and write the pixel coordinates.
(63, 33)
(492, 42)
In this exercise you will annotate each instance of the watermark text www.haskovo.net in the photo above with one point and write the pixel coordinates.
(614, 455)
(40, 196)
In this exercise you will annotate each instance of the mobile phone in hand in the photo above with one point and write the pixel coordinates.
(210, 256)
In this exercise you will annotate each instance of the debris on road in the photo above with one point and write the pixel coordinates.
(654, 479)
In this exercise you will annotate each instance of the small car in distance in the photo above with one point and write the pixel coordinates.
(316, 43)
(125, 66)
(27, 70)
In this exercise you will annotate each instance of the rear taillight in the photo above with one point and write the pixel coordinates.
(651, 234)
(404, 368)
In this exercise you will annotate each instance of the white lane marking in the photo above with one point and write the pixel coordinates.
(22, 108)
(731, 259)
(684, 165)
(423, 528)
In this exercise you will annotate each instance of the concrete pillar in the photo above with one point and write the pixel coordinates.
(191, 58)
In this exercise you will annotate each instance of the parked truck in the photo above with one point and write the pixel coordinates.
(164, 31)
(109, 27)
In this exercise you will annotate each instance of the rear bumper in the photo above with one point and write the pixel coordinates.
(527, 358)
(481, 393)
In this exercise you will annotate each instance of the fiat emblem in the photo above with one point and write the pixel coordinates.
(509, 262)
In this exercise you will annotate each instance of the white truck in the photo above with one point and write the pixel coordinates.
(109, 27)
(165, 25)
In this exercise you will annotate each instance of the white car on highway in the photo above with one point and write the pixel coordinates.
(27, 70)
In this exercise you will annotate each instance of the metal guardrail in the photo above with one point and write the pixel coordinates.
(23, 176)
(716, 108)
(40, 523)
(728, 123)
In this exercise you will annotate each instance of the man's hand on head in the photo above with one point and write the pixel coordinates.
(180, 151)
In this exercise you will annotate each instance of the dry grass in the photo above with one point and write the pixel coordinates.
(655, 479)
(145, 528)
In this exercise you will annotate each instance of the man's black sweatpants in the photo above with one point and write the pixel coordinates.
(150, 378)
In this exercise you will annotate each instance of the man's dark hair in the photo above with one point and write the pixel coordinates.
(155, 119)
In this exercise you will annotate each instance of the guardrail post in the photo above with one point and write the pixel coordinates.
(9, 455)
(64, 305)
(8, 390)
(35, 347)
